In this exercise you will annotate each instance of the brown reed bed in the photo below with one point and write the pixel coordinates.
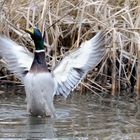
(67, 23)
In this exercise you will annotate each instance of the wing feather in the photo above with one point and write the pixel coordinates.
(73, 67)
(18, 59)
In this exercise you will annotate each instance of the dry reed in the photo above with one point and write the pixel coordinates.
(66, 23)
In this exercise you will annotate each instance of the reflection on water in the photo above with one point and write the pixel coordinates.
(80, 117)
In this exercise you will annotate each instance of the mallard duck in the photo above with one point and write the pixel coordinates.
(40, 84)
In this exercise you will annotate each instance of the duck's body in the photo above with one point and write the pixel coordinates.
(40, 84)
(39, 93)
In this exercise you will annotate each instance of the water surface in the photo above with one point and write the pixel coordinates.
(80, 117)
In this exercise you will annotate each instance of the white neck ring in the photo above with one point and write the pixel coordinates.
(38, 51)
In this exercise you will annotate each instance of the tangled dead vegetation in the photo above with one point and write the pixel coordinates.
(67, 23)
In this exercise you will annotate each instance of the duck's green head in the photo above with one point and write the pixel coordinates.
(36, 35)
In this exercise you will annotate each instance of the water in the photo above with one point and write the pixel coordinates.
(80, 117)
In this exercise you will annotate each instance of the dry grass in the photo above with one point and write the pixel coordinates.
(67, 23)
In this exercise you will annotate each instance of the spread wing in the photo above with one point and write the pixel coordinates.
(76, 65)
(18, 59)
